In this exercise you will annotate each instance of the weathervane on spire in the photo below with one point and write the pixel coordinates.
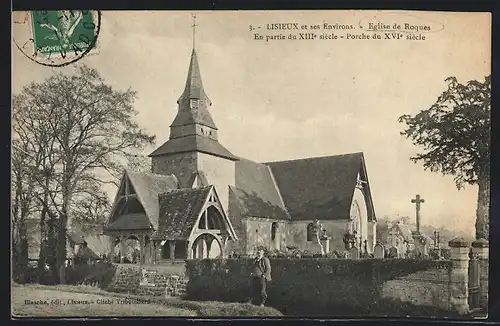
(194, 29)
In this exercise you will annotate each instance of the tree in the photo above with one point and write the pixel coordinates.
(455, 135)
(21, 205)
(90, 128)
(138, 163)
(91, 211)
(33, 148)
(382, 231)
(24, 203)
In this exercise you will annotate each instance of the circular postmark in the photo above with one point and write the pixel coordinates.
(56, 38)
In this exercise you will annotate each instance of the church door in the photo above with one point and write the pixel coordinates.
(359, 217)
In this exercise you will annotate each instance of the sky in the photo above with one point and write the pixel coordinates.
(289, 99)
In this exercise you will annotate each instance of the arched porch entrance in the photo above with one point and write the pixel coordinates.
(206, 246)
(210, 234)
(126, 249)
(131, 248)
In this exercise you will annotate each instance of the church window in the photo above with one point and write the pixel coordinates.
(310, 231)
(193, 103)
(274, 228)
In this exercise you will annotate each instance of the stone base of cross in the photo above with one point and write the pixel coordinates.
(318, 241)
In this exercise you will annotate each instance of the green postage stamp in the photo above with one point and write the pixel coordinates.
(61, 37)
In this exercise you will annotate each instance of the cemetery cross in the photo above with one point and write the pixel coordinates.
(417, 201)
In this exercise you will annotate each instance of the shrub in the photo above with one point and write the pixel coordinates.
(305, 286)
(100, 273)
(32, 274)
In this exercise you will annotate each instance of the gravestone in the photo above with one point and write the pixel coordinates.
(393, 252)
(320, 233)
(326, 244)
(148, 278)
(378, 251)
(421, 246)
(354, 252)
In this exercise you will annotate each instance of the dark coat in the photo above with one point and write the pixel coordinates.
(262, 268)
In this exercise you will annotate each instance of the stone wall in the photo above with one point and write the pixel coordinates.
(182, 165)
(239, 226)
(258, 233)
(220, 172)
(424, 288)
(148, 281)
(448, 288)
(298, 235)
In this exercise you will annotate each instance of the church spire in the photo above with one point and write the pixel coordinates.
(192, 130)
(193, 102)
(194, 86)
(194, 31)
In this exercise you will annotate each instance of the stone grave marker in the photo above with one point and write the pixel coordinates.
(418, 252)
(421, 246)
(354, 252)
(148, 278)
(378, 251)
(393, 252)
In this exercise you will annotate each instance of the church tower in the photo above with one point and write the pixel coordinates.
(193, 149)
(193, 117)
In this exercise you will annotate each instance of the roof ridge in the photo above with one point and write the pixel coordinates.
(278, 191)
(151, 174)
(315, 157)
(173, 191)
(194, 143)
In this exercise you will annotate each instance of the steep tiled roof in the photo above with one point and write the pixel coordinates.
(137, 221)
(318, 188)
(193, 143)
(194, 90)
(254, 206)
(179, 210)
(256, 181)
(187, 116)
(148, 186)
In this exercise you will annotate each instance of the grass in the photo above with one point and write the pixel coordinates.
(153, 306)
(59, 304)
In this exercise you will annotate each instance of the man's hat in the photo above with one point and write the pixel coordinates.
(261, 248)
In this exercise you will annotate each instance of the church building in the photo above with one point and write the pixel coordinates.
(202, 201)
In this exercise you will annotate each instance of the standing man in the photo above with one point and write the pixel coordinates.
(261, 274)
